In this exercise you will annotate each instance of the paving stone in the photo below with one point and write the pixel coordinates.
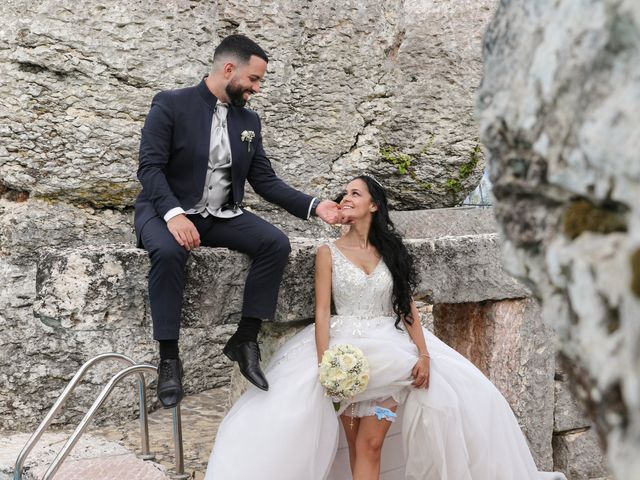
(93, 457)
(118, 467)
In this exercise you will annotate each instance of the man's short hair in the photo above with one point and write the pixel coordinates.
(239, 47)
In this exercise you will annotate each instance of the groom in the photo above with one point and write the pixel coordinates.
(198, 146)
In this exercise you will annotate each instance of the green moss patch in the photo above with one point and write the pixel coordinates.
(454, 185)
(466, 169)
(404, 162)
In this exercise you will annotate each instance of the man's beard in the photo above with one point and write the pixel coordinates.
(235, 93)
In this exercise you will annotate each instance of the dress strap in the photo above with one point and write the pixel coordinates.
(334, 255)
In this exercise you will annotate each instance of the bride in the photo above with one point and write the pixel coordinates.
(427, 412)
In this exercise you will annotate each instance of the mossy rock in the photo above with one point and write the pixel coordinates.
(100, 194)
(583, 216)
(635, 273)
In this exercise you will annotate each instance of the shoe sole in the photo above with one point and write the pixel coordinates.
(167, 407)
(172, 405)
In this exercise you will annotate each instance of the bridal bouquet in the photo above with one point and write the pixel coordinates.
(344, 372)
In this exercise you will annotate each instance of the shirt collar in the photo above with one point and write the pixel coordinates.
(209, 98)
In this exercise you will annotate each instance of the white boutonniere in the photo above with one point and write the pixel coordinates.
(247, 136)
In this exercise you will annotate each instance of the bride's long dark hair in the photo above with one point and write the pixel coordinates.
(384, 237)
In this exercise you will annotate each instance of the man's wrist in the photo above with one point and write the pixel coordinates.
(314, 206)
(174, 212)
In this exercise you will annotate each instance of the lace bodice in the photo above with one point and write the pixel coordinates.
(357, 294)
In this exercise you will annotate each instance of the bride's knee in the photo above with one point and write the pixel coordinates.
(368, 446)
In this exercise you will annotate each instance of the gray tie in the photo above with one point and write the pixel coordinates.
(220, 149)
(220, 163)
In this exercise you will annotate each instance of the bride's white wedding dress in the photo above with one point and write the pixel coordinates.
(460, 428)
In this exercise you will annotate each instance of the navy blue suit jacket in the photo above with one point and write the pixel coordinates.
(174, 154)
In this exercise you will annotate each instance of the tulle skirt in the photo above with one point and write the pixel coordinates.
(460, 428)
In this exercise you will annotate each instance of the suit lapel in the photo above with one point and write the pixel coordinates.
(203, 122)
(238, 155)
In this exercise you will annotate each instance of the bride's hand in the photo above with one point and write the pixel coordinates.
(420, 373)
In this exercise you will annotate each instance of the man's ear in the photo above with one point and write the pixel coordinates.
(228, 69)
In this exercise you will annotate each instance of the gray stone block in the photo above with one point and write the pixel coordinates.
(445, 222)
(463, 269)
(568, 415)
(92, 299)
(89, 287)
(512, 346)
(579, 455)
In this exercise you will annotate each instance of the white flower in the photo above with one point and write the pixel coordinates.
(348, 361)
(247, 136)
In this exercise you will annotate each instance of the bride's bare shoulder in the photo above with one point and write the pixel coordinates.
(323, 250)
(323, 257)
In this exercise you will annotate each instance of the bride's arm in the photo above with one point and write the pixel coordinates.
(421, 370)
(323, 299)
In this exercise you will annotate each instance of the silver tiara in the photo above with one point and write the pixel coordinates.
(374, 179)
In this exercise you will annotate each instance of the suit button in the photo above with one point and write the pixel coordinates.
(210, 187)
(207, 205)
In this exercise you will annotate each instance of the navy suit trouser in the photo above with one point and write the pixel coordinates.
(267, 246)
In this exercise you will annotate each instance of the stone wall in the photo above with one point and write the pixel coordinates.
(560, 108)
(352, 85)
(345, 83)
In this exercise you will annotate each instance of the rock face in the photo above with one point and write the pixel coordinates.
(507, 340)
(28, 227)
(559, 108)
(357, 85)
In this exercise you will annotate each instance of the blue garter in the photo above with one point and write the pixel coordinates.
(384, 414)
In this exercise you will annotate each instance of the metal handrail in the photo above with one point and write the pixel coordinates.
(144, 429)
(177, 441)
(75, 436)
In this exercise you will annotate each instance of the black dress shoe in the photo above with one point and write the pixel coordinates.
(247, 354)
(170, 382)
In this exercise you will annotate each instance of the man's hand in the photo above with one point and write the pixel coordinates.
(184, 231)
(329, 211)
(345, 217)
